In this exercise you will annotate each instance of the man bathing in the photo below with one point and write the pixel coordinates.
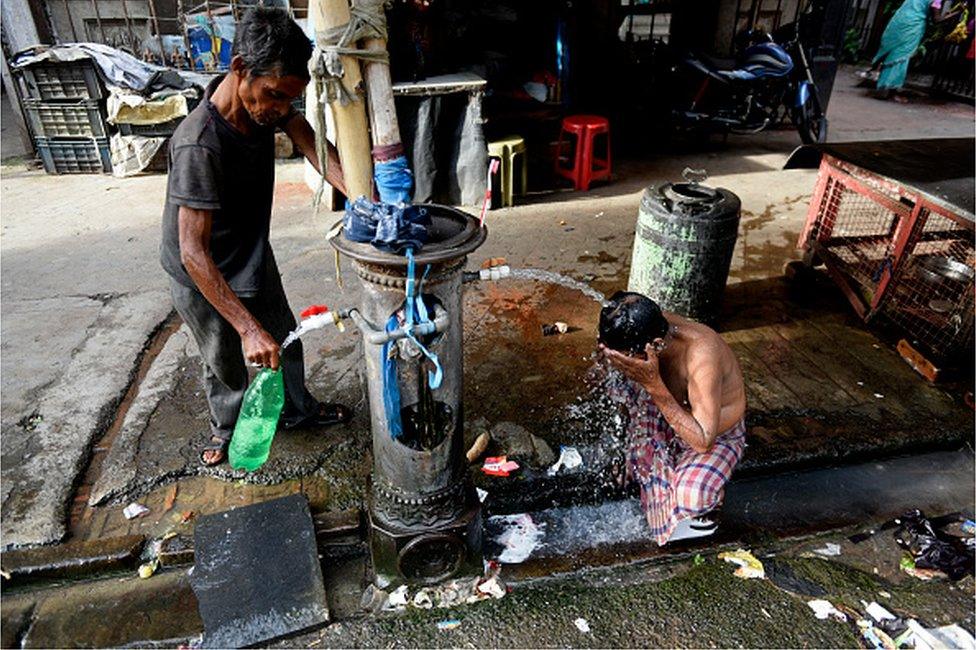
(684, 401)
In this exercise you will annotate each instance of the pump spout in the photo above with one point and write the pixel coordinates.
(491, 273)
(377, 336)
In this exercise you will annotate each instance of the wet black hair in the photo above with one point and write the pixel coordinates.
(630, 321)
(271, 43)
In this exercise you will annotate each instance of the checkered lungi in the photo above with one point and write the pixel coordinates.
(676, 481)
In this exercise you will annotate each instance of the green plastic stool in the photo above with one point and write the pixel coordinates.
(505, 150)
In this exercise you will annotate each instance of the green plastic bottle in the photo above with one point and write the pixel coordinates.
(258, 420)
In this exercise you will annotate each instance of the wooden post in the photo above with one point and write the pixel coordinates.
(382, 111)
(71, 22)
(352, 138)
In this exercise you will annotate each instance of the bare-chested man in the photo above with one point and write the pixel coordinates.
(684, 398)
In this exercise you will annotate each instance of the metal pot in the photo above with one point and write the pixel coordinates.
(936, 270)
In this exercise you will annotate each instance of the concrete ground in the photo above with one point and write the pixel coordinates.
(85, 309)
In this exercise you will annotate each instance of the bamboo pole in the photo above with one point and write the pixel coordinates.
(382, 111)
(352, 138)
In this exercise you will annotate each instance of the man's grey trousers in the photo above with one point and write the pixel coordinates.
(224, 372)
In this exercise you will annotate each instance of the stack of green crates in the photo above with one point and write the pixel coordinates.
(64, 102)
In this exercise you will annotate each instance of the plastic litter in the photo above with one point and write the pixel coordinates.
(520, 537)
(449, 624)
(699, 560)
(829, 549)
(877, 612)
(969, 527)
(582, 625)
(423, 599)
(749, 566)
(499, 466)
(373, 599)
(552, 329)
(931, 549)
(824, 609)
(148, 569)
(482, 494)
(939, 638)
(569, 458)
(875, 637)
(134, 510)
(398, 598)
(493, 587)
(258, 420)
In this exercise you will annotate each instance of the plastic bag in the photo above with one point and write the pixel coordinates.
(931, 549)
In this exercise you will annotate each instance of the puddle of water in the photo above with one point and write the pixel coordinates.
(540, 275)
(565, 531)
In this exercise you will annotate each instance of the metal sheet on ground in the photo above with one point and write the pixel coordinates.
(257, 575)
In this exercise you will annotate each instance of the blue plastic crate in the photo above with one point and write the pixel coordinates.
(75, 155)
(82, 119)
(57, 81)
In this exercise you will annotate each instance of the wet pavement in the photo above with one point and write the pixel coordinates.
(72, 459)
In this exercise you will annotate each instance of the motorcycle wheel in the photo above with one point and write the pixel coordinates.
(811, 122)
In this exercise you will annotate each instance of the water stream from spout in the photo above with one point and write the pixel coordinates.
(557, 278)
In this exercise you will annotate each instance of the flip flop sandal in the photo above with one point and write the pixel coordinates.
(216, 444)
(334, 414)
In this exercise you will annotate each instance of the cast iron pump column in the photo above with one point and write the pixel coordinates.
(425, 520)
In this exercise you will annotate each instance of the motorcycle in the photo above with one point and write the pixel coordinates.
(765, 83)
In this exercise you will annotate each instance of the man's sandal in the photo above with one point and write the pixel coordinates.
(216, 444)
(328, 415)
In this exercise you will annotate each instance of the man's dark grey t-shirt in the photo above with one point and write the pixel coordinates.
(213, 166)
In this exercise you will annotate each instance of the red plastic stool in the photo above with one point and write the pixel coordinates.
(586, 167)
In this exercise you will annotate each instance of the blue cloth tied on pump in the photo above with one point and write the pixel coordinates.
(390, 228)
(392, 225)
(394, 180)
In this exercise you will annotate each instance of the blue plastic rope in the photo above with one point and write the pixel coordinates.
(415, 307)
(391, 386)
(414, 313)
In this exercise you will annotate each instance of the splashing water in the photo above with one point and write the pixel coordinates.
(558, 278)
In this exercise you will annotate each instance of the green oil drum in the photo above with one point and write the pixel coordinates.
(683, 247)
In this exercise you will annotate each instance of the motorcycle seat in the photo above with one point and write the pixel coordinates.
(758, 61)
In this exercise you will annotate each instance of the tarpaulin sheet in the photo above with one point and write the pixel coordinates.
(116, 67)
(445, 146)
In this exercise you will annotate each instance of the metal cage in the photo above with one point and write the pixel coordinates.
(896, 252)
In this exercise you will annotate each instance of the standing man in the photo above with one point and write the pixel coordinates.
(224, 280)
(684, 399)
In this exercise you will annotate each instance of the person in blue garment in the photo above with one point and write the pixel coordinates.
(899, 43)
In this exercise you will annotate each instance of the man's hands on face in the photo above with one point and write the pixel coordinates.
(260, 348)
(643, 371)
